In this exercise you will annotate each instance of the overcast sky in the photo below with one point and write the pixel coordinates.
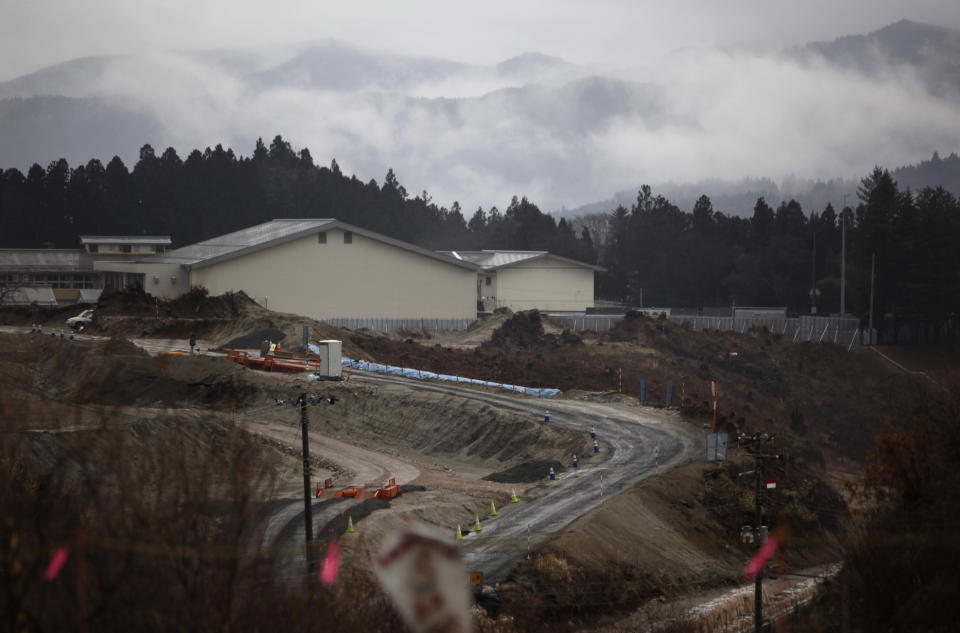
(612, 33)
(721, 105)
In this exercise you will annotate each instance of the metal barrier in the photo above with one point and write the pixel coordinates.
(394, 325)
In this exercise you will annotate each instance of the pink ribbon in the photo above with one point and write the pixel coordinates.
(331, 564)
(755, 566)
(56, 564)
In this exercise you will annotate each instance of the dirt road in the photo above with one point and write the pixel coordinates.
(632, 444)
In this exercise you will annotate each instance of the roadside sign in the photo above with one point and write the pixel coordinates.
(716, 447)
(771, 483)
(476, 579)
(423, 575)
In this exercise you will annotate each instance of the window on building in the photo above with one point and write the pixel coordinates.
(125, 248)
(488, 281)
(92, 248)
(348, 237)
(322, 237)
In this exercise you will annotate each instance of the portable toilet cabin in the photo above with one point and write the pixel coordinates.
(328, 355)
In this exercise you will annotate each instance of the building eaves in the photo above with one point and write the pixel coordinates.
(126, 239)
(40, 259)
(274, 233)
(489, 259)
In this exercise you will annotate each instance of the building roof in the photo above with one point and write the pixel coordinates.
(126, 239)
(274, 233)
(41, 259)
(42, 296)
(489, 259)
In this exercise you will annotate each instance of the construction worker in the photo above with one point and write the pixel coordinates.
(264, 347)
(193, 341)
(273, 347)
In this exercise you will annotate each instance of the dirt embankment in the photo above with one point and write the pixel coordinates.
(456, 433)
(132, 313)
(116, 372)
(820, 399)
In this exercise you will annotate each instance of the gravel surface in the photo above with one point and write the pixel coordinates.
(634, 445)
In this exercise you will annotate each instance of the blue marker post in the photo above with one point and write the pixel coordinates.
(193, 341)
(596, 446)
(575, 465)
(593, 432)
(546, 416)
(553, 475)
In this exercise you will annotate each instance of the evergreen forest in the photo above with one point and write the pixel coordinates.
(654, 253)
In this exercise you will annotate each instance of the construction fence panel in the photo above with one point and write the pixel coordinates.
(397, 325)
(808, 328)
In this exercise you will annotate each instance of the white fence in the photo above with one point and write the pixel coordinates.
(395, 325)
(837, 330)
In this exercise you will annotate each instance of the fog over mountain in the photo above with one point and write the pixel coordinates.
(562, 133)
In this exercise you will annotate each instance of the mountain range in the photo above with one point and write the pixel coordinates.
(534, 125)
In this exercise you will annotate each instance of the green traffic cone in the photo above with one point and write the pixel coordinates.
(493, 509)
(349, 524)
(459, 533)
(477, 527)
(514, 497)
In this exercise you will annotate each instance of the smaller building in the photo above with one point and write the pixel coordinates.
(67, 274)
(527, 280)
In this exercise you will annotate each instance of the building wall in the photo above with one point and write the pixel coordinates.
(167, 281)
(545, 284)
(487, 294)
(364, 279)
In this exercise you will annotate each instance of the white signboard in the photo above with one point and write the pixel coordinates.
(426, 579)
(716, 447)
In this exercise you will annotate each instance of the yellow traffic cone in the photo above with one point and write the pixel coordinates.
(459, 533)
(349, 524)
(493, 509)
(514, 497)
(477, 527)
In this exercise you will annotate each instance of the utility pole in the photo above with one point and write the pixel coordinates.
(757, 440)
(873, 262)
(307, 501)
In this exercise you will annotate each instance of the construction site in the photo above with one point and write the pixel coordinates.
(159, 458)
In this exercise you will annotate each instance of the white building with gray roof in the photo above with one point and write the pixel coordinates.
(321, 268)
(526, 280)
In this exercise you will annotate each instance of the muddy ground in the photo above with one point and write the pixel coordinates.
(821, 401)
(824, 399)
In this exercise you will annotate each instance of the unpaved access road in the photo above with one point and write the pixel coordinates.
(634, 445)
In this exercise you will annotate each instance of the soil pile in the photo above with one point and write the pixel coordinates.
(634, 325)
(527, 472)
(253, 340)
(116, 372)
(523, 329)
(197, 303)
(28, 315)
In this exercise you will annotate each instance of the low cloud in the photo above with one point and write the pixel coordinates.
(570, 138)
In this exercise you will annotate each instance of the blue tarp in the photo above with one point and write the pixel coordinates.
(419, 374)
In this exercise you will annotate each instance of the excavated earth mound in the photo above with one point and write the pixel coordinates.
(253, 340)
(527, 472)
